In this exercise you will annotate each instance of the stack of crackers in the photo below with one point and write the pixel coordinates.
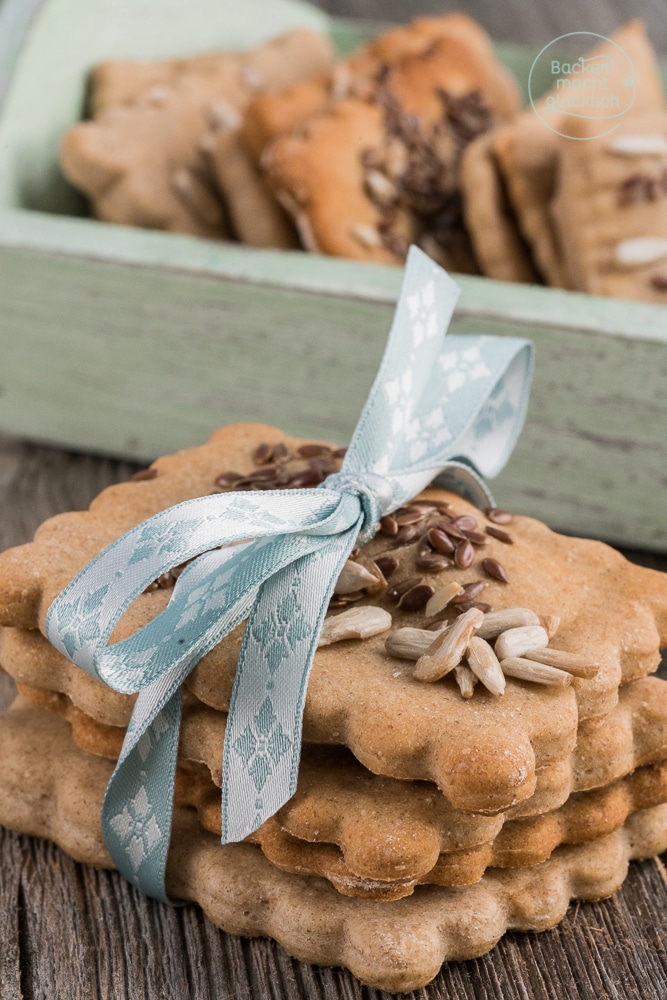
(418, 137)
(483, 739)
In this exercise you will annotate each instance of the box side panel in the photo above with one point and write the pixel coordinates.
(138, 362)
(591, 459)
(482, 298)
(134, 361)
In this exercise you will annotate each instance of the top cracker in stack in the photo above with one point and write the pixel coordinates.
(483, 752)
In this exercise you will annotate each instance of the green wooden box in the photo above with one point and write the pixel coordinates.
(137, 343)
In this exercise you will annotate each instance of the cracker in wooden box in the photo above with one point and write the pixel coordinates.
(370, 175)
(143, 159)
(610, 208)
(527, 150)
(270, 115)
(496, 238)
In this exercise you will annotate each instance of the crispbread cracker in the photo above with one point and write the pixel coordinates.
(483, 753)
(526, 153)
(142, 160)
(142, 166)
(527, 150)
(610, 207)
(584, 817)
(270, 115)
(255, 216)
(365, 178)
(237, 76)
(499, 247)
(391, 834)
(50, 788)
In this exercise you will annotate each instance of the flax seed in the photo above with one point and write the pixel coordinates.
(406, 534)
(387, 565)
(499, 516)
(416, 598)
(304, 480)
(143, 474)
(263, 453)
(464, 554)
(498, 533)
(312, 450)
(388, 526)
(440, 541)
(434, 563)
(402, 587)
(469, 592)
(495, 570)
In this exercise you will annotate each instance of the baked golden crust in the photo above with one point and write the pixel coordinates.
(611, 612)
(610, 209)
(376, 837)
(48, 787)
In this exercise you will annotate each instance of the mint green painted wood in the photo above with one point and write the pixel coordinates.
(15, 21)
(142, 360)
(137, 343)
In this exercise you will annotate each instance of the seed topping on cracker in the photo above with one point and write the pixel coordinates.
(521, 650)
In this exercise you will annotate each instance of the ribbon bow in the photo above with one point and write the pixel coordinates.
(435, 409)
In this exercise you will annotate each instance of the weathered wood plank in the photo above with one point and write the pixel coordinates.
(154, 375)
(11, 864)
(116, 944)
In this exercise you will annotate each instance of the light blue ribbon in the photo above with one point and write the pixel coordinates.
(437, 408)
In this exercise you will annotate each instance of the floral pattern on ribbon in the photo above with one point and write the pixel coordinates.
(455, 404)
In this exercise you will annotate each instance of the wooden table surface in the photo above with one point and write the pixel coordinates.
(67, 931)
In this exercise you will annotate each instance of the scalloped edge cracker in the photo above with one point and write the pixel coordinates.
(50, 788)
(378, 837)
(483, 753)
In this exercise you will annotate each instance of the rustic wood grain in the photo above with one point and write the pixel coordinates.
(70, 931)
(534, 23)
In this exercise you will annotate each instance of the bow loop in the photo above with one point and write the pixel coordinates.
(272, 559)
(376, 496)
